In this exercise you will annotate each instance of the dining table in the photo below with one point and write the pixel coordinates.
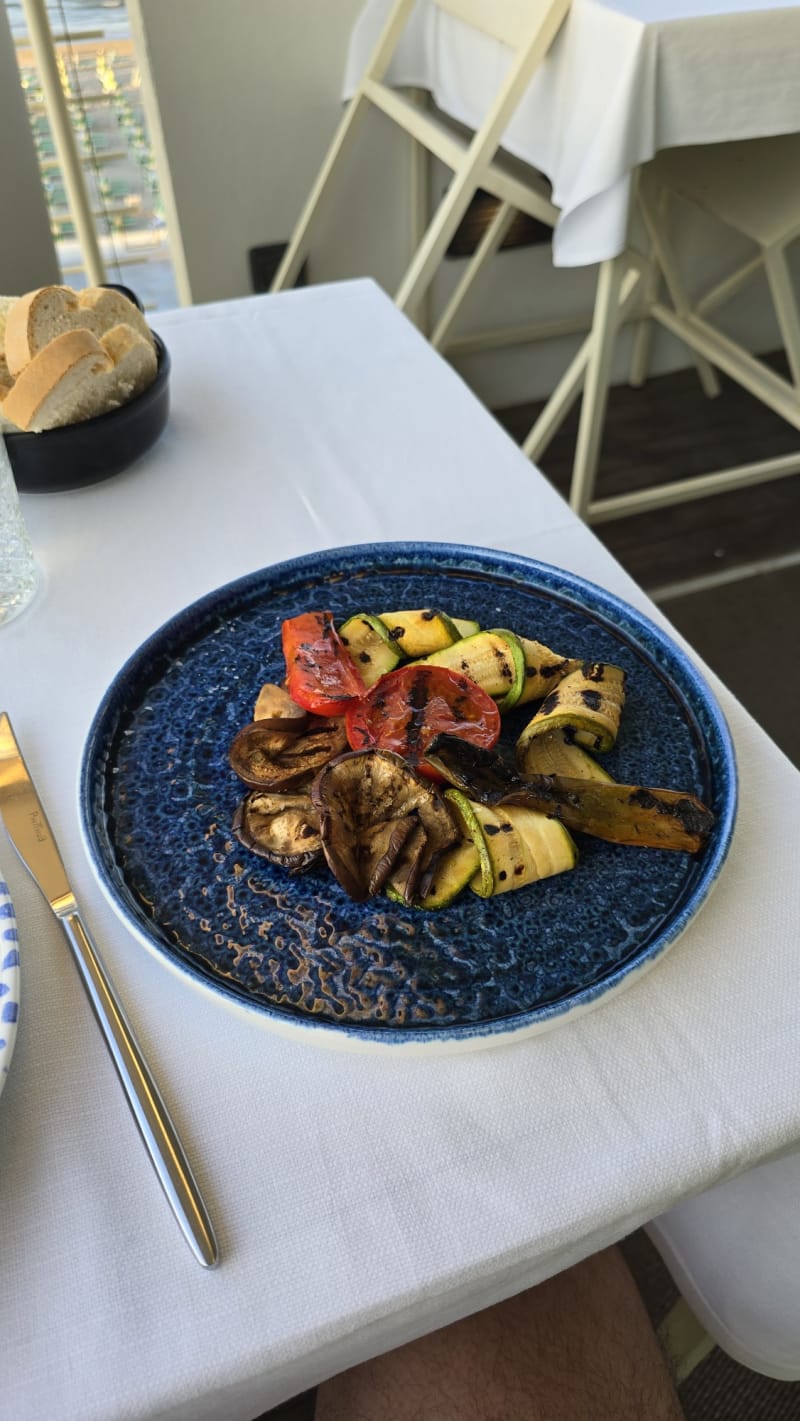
(360, 1197)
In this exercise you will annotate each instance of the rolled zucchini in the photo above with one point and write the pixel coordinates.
(493, 659)
(586, 706)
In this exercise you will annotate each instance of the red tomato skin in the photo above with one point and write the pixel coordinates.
(407, 708)
(320, 673)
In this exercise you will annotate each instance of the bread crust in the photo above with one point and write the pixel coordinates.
(40, 316)
(48, 369)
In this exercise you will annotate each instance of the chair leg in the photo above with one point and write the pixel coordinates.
(296, 252)
(784, 300)
(707, 375)
(569, 386)
(488, 245)
(595, 391)
(420, 214)
(643, 334)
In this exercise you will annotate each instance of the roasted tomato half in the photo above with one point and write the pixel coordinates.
(408, 708)
(320, 674)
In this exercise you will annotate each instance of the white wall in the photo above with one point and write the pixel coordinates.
(27, 254)
(249, 94)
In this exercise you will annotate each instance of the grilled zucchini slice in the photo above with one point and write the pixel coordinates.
(586, 705)
(523, 846)
(493, 659)
(552, 754)
(417, 634)
(543, 670)
(369, 644)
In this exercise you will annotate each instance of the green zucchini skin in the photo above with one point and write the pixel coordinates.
(368, 642)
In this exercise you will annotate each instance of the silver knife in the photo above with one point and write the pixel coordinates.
(26, 823)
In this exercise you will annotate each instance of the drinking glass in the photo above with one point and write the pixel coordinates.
(19, 575)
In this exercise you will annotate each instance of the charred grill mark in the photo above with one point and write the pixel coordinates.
(595, 671)
(693, 817)
(429, 614)
(592, 700)
(418, 700)
(555, 668)
(550, 703)
(364, 657)
(396, 633)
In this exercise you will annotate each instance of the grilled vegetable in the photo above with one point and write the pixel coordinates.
(420, 632)
(523, 847)
(320, 675)
(493, 659)
(452, 872)
(276, 708)
(264, 758)
(283, 828)
(587, 704)
(543, 670)
(406, 709)
(368, 642)
(370, 805)
(553, 754)
(622, 814)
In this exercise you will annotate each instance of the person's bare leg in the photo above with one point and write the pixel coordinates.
(577, 1348)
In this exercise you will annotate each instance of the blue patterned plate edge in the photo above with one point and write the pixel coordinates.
(550, 580)
(9, 981)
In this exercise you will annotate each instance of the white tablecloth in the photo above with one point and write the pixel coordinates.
(624, 79)
(359, 1199)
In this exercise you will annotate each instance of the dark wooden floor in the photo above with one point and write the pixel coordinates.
(670, 430)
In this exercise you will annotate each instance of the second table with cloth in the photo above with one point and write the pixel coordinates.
(623, 79)
(359, 1199)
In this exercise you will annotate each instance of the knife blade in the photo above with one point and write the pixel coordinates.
(28, 829)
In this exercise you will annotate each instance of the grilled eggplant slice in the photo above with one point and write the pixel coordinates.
(283, 828)
(265, 758)
(371, 806)
(622, 814)
(587, 703)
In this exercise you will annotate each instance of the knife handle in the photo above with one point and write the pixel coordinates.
(150, 1112)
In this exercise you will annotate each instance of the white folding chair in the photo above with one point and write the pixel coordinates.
(528, 28)
(751, 187)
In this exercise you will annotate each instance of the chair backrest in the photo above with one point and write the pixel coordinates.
(511, 21)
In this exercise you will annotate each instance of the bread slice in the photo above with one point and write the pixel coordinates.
(35, 319)
(6, 302)
(77, 377)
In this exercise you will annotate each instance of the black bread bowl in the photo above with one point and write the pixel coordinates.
(76, 455)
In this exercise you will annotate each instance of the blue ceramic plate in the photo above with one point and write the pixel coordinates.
(9, 981)
(158, 800)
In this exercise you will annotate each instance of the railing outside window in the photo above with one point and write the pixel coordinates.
(84, 94)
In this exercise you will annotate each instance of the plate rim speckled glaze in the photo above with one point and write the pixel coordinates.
(535, 576)
(9, 980)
